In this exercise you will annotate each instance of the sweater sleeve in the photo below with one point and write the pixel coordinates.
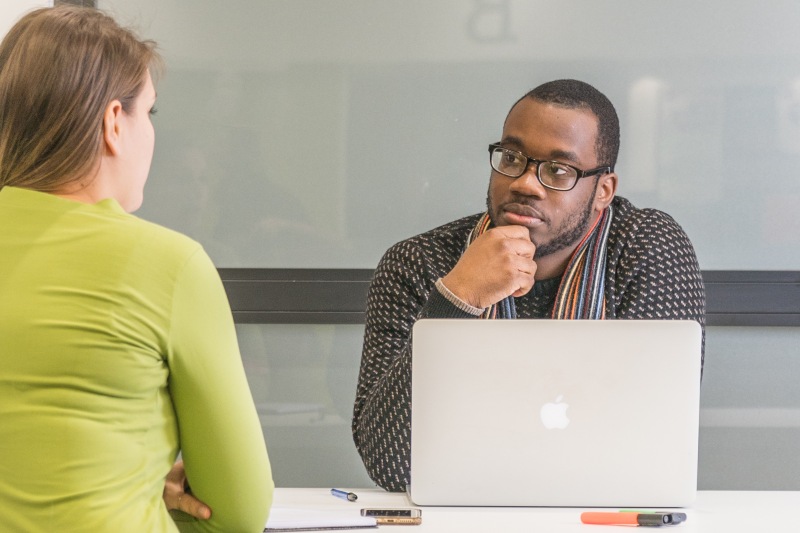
(402, 290)
(220, 434)
(656, 274)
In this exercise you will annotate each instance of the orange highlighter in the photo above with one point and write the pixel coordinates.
(633, 519)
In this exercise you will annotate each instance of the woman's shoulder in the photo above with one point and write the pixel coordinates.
(162, 236)
(150, 243)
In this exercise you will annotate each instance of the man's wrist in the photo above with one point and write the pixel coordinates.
(455, 300)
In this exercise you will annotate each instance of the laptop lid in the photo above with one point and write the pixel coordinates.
(555, 412)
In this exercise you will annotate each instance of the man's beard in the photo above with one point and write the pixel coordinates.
(570, 232)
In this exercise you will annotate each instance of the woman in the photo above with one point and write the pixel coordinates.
(117, 346)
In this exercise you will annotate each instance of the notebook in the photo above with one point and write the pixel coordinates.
(293, 519)
(583, 413)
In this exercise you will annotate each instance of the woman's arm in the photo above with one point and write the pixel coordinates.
(220, 434)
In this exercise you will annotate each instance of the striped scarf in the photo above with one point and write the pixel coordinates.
(581, 293)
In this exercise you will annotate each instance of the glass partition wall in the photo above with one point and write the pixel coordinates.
(305, 137)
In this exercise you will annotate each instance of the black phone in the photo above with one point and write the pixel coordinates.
(385, 516)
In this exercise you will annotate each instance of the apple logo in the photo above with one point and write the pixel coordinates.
(554, 414)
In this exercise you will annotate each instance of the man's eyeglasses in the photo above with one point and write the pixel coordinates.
(551, 174)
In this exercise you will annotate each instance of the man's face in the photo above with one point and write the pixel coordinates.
(556, 220)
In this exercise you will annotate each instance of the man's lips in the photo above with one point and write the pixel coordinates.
(523, 215)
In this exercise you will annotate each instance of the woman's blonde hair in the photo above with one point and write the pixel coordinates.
(60, 67)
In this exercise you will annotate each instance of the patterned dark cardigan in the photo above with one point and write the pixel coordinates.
(651, 272)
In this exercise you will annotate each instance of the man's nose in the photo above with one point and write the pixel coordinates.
(528, 184)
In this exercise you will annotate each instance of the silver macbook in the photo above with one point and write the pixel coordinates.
(583, 413)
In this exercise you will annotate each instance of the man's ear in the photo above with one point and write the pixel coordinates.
(606, 189)
(112, 127)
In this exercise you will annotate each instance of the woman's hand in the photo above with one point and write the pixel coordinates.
(177, 497)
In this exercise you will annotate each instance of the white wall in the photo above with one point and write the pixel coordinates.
(12, 10)
(348, 125)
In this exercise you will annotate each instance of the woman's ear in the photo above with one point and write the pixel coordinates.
(112, 127)
(606, 189)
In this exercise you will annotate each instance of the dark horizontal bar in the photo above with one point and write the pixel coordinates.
(338, 296)
(752, 297)
(297, 296)
(296, 274)
(753, 320)
(276, 317)
(751, 276)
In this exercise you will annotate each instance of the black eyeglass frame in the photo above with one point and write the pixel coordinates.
(580, 173)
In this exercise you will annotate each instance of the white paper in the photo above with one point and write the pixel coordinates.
(289, 519)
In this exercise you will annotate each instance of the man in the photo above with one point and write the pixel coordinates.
(554, 243)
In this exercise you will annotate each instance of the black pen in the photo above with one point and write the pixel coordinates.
(343, 494)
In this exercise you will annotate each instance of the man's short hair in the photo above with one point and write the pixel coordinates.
(574, 94)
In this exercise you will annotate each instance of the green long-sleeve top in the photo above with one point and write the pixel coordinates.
(117, 350)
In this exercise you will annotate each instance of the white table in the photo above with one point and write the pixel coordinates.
(713, 512)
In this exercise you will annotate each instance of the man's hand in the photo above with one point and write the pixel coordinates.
(176, 497)
(497, 264)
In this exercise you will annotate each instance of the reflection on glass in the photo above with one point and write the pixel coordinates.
(295, 133)
(750, 409)
(303, 380)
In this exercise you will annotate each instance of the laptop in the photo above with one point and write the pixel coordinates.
(582, 413)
